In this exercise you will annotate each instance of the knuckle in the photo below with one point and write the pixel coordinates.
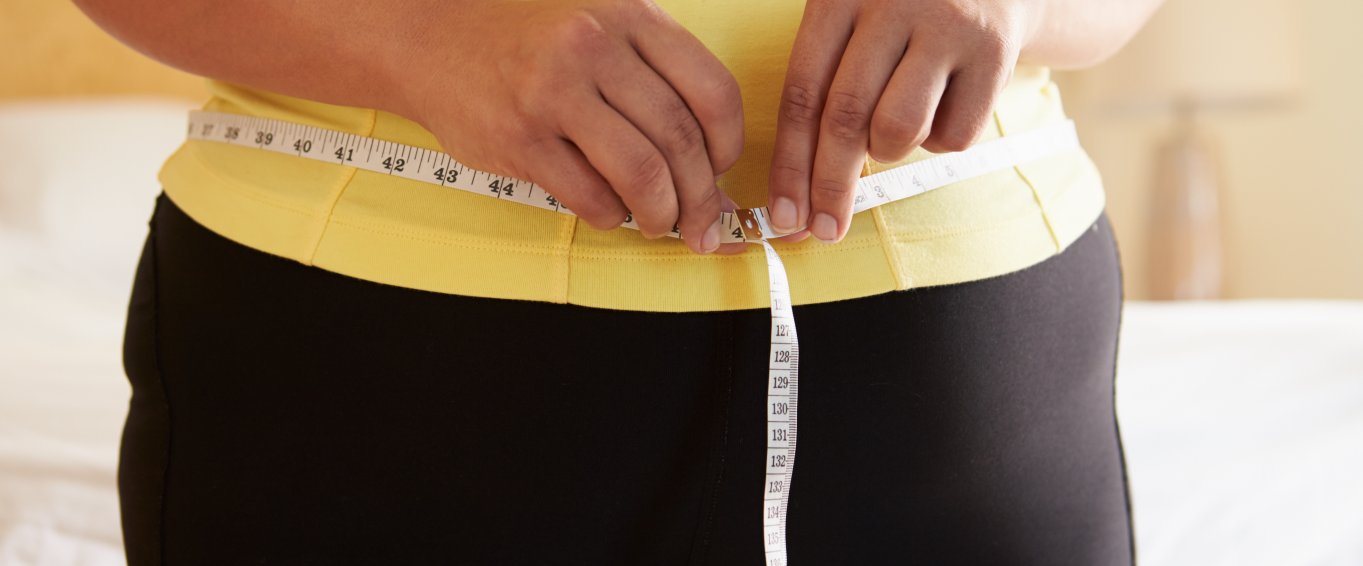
(996, 46)
(894, 128)
(593, 203)
(649, 177)
(725, 152)
(603, 218)
(684, 135)
(994, 69)
(829, 190)
(920, 137)
(788, 170)
(706, 207)
(596, 220)
(954, 139)
(724, 159)
(992, 36)
(886, 151)
(965, 15)
(800, 105)
(646, 9)
(580, 33)
(720, 97)
(728, 109)
(724, 94)
(657, 222)
(847, 116)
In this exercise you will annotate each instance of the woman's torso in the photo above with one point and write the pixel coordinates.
(410, 234)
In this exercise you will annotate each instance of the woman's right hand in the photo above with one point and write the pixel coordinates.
(610, 105)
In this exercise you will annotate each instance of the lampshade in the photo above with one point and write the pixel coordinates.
(1205, 52)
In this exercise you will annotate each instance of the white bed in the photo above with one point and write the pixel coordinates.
(1243, 420)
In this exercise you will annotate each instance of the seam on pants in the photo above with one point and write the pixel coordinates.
(161, 379)
(1116, 422)
(700, 546)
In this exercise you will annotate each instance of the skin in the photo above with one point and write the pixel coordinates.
(609, 105)
(614, 108)
(883, 77)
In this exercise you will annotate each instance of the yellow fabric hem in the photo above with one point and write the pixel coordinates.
(341, 184)
(403, 233)
(661, 283)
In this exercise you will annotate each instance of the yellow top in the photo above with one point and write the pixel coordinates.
(412, 234)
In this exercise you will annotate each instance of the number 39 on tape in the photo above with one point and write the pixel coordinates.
(745, 225)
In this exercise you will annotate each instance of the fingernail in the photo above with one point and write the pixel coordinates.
(783, 215)
(824, 227)
(710, 242)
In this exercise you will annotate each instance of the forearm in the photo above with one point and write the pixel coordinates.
(354, 53)
(1068, 34)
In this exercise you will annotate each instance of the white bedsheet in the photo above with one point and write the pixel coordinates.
(1243, 427)
(1243, 420)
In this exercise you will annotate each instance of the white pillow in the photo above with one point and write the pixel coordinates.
(77, 185)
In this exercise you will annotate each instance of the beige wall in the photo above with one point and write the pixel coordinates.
(1293, 202)
(52, 49)
(1293, 175)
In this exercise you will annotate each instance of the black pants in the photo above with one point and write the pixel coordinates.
(282, 414)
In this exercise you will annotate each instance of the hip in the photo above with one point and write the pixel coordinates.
(286, 412)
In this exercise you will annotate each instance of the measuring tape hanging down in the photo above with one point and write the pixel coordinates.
(744, 225)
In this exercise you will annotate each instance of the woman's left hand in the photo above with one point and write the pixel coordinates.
(884, 77)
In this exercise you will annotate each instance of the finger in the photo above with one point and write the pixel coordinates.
(654, 108)
(819, 45)
(966, 105)
(728, 205)
(560, 169)
(904, 116)
(635, 169)
(844, 134)
(700, 78)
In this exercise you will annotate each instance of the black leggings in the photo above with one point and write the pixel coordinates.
(282, 414)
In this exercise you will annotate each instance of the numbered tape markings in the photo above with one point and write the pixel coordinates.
(744, 225)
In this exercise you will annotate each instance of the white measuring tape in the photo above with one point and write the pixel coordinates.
(744, 225)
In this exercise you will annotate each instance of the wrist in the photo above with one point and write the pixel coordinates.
(419, 54)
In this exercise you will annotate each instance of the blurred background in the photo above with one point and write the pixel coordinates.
(1271, 89)
(1268, 89)
(1227, 134)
